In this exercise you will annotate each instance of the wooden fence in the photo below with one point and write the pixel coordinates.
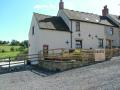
(22, 60)
(80, 54)
(109, 53)
(63, 54)
(58, 55)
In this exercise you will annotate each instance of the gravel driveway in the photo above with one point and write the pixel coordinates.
(101, 76)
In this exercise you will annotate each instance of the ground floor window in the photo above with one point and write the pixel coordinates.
(100, 41)
(78, 43)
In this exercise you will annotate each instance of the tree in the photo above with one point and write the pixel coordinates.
(15, 42)
(24, 43)
(0, 42)
(4, 42)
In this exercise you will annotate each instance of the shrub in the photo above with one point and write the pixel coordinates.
(16, 49)
(3, 51)
(21, 48)
(0, 50)
(12, 49)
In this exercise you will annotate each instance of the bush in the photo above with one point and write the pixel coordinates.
(16, 49)
(21, 48)
(0, 50)
(12, 49)
(3, 51)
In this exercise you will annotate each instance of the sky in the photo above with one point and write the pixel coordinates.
(16, 15)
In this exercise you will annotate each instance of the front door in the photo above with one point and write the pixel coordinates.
(109, 43)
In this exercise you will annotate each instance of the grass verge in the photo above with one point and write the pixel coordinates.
(9, 54)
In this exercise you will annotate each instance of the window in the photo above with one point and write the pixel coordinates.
(110, 31)
(33, 30)
(78, 43)
(108, 43)
(77, 26)
(100, 43)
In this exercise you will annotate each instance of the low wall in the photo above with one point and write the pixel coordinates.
(62, 65)
(99, 54)
(109, 53)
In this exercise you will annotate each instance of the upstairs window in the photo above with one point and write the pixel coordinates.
(77, 26)
(33, 30)
(110, 31)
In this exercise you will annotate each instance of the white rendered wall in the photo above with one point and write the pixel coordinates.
(85, 30)
(55, 39)
(32, 38)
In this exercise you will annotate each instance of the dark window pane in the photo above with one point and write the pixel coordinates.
(77, 26)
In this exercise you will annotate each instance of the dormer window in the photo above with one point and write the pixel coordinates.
(97, 20)
(77, 26)
(86, 19)
(33, 30)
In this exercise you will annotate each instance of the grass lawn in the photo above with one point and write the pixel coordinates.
(7, 48)
(9, 54)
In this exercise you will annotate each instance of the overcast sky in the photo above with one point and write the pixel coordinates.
(16, 15)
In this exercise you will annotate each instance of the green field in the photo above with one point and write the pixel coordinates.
(7, 51)
(9, 54)
(7, 48)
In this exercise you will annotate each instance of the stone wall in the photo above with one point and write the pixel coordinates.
(62, 65)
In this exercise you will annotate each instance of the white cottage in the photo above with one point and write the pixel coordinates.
(74, 29)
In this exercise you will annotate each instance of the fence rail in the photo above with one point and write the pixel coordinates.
(112, 52)
(63, 54)
(58, 55)
(81, 54)
(22, 60)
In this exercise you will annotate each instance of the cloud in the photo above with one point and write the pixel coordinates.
(92, 6)
(48, 6)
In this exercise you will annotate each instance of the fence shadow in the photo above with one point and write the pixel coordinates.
(42, 72)
(13, 69)
(33, 69)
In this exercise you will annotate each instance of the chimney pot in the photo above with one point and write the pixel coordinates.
(105, 11)
(61, 5)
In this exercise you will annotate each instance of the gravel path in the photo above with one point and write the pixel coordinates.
(101, 76)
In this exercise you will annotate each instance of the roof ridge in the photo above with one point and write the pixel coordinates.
(113, 14)
(82, 12)
(42, 14)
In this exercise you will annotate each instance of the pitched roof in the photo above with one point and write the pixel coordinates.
(115, 18)
(86, 17)
(51, 22)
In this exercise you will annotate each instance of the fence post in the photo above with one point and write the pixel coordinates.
(24, 61)
(9, 63)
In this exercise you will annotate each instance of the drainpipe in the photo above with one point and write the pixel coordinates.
(71, 34)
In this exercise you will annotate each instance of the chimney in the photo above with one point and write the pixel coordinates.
(61, 5)
(105, 11)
